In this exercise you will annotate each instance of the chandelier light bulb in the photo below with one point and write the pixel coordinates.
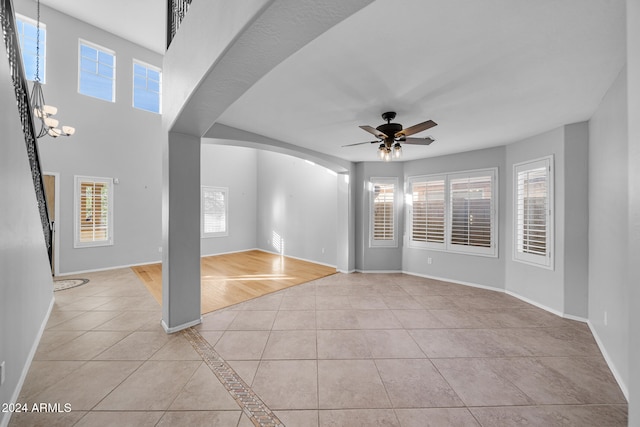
(51, 122)
(50, 110)
(68, 130)
(397, 151)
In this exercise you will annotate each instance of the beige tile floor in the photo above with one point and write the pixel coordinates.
(345, 350)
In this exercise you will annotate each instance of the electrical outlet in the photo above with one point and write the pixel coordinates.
(605, 319)
(429, 260)
(2, 373)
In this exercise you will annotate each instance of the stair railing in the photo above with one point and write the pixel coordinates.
(176, 11)
(25, 111)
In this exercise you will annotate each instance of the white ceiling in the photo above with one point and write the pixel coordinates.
(488, 72)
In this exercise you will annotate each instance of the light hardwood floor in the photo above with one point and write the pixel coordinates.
(233, 278)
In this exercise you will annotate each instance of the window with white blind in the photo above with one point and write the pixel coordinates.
(93, 212)
(427, 212)
(384, 228)
(533, 212)
(472, 201)
(215, 211)
(454, 212)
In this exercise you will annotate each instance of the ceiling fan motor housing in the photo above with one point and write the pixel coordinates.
(390, 130)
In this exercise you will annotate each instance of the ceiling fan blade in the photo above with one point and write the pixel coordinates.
(374, 131)
(361, 143)
(417, 141)
(415, 128)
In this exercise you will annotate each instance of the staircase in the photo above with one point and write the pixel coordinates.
(25, 112)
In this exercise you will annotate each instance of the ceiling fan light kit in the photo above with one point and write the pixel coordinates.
(391, 135)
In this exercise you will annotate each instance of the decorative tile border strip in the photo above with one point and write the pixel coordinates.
(252, 406)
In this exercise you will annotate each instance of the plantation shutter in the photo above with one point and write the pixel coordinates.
(384, 228)
(471, 211)
(214, 208)
(383, 204)
(428, 211)
(533, 212)
(93, 211)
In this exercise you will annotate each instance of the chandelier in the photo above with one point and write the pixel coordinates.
(47, 124)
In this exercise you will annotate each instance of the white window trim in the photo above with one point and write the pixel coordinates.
(76, 217)
(224, 190)
(133, 84)
(106, 50)
(447, 246)
(43, 46)
(373, 243)
(542, 261)
(425, 178)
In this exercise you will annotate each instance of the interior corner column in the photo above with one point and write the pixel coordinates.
(346, 223)
(181, 232)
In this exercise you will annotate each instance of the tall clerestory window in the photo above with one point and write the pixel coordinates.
(147, 84)
(28, 35)
(97, 74)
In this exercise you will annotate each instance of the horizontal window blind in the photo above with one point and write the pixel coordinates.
(532, 211)
(383, 208)
(94, 212)
(214, 211)
(428, 211)
(471, 211)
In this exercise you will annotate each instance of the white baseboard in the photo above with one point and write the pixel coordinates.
(607, 358)
(115, 267)
(294, 257)
(457, 282)
(4, 422)
(178, 328)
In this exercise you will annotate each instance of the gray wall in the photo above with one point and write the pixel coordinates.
(370, 259)
(297, 201)
(236, 169)
(545, 287)
(112, 140)
(608, 226)
(477, 270)
(26, 288)
(563, 289)
(633, 64)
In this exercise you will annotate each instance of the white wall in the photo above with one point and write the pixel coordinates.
(296, 204)
(477, 270)
(608, 226)
(112, 140)
(26, 288)
(236, 169)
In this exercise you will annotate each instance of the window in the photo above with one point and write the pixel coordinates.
(471, 199)
(93, 211)
(454, 212)
(427, 212)
(533, 211)
(215, 211)
(97, 71)
(146, 87)
(28, 35)
(383, 216)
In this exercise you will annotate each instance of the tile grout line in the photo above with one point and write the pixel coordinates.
(252, 406)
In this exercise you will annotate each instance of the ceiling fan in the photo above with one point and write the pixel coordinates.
(390, 135)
